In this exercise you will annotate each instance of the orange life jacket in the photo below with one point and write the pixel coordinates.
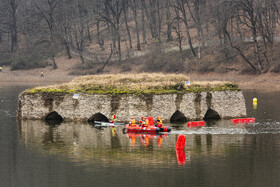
(146, 124)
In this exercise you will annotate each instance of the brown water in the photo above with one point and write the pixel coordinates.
(33, 153)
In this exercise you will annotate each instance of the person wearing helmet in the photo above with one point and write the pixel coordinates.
(142, 121)
(132, 122)
(146, 124)
(159, 122)
(114, 118)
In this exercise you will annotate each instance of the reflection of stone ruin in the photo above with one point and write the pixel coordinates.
(171, 107)
(83, 142)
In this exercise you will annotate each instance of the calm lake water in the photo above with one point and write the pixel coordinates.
(33, 153)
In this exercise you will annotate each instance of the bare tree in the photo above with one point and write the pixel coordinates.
(143, 21)
(79, 29)
(111, 13)
(126, 24)
(180, 5)
(46, 10)
(176, 27)
(8, 24)
(134, 8)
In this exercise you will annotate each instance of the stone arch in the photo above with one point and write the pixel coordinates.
(53, 118)
(98, 117)
(178, 117)
(211, 114)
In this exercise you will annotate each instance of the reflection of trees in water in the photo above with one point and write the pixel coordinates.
(209, 141)
(84, 142)
(197, 140)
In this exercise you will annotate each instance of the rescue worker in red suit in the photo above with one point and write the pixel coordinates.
(159, 122)
(142, 121)
(132, 122)
(146, 124)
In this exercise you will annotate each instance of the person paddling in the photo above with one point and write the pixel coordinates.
(114, 118)
(132, 122)
(159, 122)
(146, 124)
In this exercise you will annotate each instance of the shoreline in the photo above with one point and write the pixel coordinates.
(268, 81)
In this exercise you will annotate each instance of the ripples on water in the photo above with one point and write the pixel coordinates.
(73, 154)
(249, 128)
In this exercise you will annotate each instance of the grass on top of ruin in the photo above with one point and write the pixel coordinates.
(143, 83)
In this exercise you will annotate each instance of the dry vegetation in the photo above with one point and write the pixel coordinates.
(144, 83)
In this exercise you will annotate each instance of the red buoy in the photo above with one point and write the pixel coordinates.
(181, 140)
(244, 120)
(181, 157)
(196, 124)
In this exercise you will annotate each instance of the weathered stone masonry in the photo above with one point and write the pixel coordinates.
(190, 106)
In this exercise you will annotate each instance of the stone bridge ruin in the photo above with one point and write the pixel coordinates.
(171, 107)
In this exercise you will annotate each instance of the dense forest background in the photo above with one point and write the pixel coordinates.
(151, 35)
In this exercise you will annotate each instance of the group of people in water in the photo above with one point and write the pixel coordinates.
(144, 122)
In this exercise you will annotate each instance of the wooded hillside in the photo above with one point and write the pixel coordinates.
(171, 35)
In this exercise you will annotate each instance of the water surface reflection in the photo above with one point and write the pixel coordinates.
(85, 144)
(72, 154)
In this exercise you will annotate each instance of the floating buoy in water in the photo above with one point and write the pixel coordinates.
(244, 120)
(196, 124)
(255, 103)
(181, 140)
(255, 100)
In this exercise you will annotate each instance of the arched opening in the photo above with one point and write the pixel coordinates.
(178, 117)
(211, 114)
(53, 118)
(98, 117)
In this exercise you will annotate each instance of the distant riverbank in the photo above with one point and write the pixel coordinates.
(270, 81)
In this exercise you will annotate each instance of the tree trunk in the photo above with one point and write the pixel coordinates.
(183, 11)
(100, 41)
(148, 16)
(136, 25)
(67, 49)
(257, 49)
(158, 20)
(240, 52)
(54, 66)
(81, 57)
(119, 42)
(104, 65)
(169, 35)
(88, 33)
(189, 39)
(153, 19)
(143, 24)
(127, 27)
(14, 39)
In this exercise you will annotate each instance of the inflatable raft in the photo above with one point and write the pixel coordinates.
(150, 129)
(139, 129)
